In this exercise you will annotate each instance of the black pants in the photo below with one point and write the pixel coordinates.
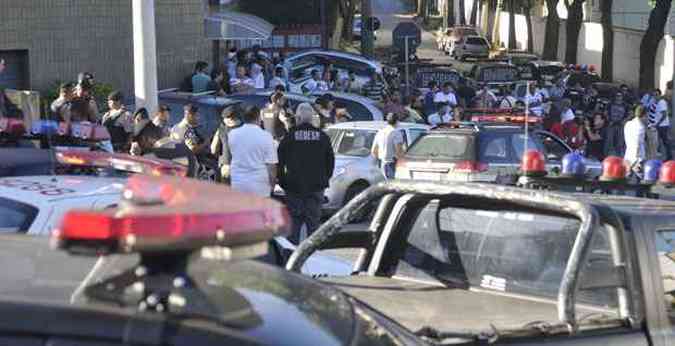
(664, 137)
(305, 209)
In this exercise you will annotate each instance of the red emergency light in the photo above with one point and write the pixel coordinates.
(667, 174)
(613, 169)
(12, 127)
(164, 215)
(533, 164)
(120, 162)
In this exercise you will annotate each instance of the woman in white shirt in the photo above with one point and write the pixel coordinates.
(254, 156)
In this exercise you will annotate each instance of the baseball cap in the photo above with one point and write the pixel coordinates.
(82, 76)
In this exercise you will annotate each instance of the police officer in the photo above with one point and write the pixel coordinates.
(118, 121)
(306, 163)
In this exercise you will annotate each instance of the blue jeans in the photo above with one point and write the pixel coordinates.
(388, 169)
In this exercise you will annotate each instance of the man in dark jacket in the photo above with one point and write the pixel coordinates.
(306, 163)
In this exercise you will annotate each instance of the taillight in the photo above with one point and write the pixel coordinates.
(470, 167)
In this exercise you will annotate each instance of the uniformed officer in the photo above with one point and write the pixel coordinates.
(306, 163)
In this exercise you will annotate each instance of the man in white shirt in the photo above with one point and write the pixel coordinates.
(257, 76)
(660, 121)
(446, 95)
(312, 85)
(253, 167)
(634, 134)
(485, 98)
(278, 79)
(443, 116)
(388, 146)
(241, 82)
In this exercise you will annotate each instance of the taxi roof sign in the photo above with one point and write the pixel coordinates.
(164, 215)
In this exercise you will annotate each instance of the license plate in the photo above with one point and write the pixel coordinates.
(427, 176)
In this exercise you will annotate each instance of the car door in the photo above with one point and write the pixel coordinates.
(554, 149)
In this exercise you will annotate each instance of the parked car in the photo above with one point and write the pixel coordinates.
(541, 70)
(475, 152)
(355, 168)
(446, 40)
(470, 264)
(494, 75)
(301, 64)
(471, 47)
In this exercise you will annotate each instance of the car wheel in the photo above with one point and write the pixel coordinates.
(354, 191)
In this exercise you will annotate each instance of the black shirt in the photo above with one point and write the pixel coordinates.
(306, 160)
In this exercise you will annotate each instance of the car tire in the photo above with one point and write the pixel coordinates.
(353, 191)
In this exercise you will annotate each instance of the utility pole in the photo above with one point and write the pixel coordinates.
(145, 55)
(367, 36)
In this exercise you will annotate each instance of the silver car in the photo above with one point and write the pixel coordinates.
(355, 168)
(471, 46)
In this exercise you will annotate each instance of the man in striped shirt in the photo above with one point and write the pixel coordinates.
(374, 89)
(659, 120)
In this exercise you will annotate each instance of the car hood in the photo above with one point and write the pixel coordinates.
(262, 301)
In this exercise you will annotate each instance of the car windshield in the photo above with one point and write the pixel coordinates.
(15, 216)
(503, 250)
(551, 70)
(498, 74)
(476, 41)
(355, 142)
(442, 147)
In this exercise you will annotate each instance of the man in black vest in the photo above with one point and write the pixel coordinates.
(306, 163)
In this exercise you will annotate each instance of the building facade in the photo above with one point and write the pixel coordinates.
(47, 41)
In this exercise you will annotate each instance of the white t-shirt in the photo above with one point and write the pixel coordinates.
(507, 102)
(441, 97)
(437, 119)
(259, 81)
(311, 86)
(252, 150)
(634, 134)
(386, 140)
(567, 116)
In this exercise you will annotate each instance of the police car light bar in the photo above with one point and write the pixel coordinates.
(506, 118)
(165, 215)
(120, 162)
(82, 130)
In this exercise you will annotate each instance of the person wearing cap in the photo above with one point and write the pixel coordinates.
(118, 121)
(220, 146)
(83, 106)
(388, 146)
(187, 130)
(253, 167)
(145, 134)
(161, 120)
(87, 77)
(443, 116)
(306, 164)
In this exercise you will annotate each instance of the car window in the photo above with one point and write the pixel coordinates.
(554, 148)
(476, 41)
(415, 134)
(551, 70)
(498, 74)
(665, 249)
(15, 216)
(355, 143)
(493, 148)
(484, 249)
(442, 147)
(518, 144)
(358, 111)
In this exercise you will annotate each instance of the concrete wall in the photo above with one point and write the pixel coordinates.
(64, 37)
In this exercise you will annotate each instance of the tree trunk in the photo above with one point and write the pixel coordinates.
(422, 8)
(552, 27)
(337, 29)
(462, 13)
(474, 13)
(607, 40)
(528, 20)
(575, 18)
(650, 43)
(496, 32)
(451, 13)
(513, 43)
(491, 10)
(348, 8)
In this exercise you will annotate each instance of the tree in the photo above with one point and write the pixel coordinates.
(552, 27)
(474, 13)
(423, 9)
(575, 17)
(462, 13)
(607, 40)
(527, 6)
(492, 9)
(650, 42)
(451, 13)
(513, 44)
(347, 9)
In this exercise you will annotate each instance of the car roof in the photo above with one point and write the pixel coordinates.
(58, 187)
(336, 53)
(375, 125)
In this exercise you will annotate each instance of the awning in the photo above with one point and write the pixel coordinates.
(236, 26)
